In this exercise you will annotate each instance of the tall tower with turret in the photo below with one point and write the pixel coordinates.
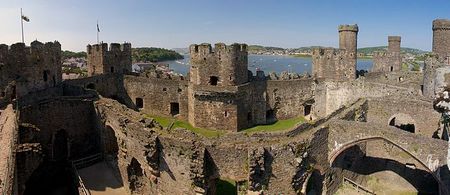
(348, 40)
(217, 78)
(441, 37)
(116, 59)
(338, 64)
(390, 60)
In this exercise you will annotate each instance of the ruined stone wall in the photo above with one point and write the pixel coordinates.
(158, 94)
(74, 116)
(382, 110)
(229, 64)
(179, 162)
(387, 62)
(33, 68)
(116, 59)
(441, 37)
(334, 64)
(289, 98)
(8, 141)
(391, 60)
(107, 85)
(432, 62)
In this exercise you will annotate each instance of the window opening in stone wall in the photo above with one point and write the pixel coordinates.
(174, 108)
(112, 69)
(139, 103)
(213, 80)
(90, 86)
(249, 116)
(45, 75)
(307, 109)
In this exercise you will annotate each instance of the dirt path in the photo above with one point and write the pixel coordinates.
(100, 180)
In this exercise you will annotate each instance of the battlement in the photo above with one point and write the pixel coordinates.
(348, 27)
(329, 52)
(335, 64)
(114, 47)
(219, 48)
(115, 59)
(394, 38)
(441, 24)
(223, 65)
(22, 52)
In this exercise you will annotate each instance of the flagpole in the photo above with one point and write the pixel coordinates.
(21, 21)
(97, 34)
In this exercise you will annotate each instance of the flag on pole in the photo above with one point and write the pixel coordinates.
(98, 28)
(25, 18)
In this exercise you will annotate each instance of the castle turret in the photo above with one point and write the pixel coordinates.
(348, 37)
(394, 43)
(217, 78)
(223, 66)
(116, 59)
(348, 40)
(441, 37)
(32, 68)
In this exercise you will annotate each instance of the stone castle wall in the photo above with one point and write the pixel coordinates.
(333, 64)
(282, 96)
(116, 59)
(157, 95)
(29, 68)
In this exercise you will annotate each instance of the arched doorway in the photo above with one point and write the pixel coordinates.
(403, 121)
(60, 146)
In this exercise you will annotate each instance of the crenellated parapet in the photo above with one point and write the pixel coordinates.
(113, 59)
(34, 67)
(348, 27)
(335, 64)
(223, 65)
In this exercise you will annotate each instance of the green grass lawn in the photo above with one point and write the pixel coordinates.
(277, 126)
(166, 121)
(280, 125)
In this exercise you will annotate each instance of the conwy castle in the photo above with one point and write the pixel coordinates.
(387, 123)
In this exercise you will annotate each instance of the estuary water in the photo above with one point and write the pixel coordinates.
(269, 63)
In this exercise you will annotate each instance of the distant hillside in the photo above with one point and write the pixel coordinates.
(370, 50)
(153, 54)
(181, 50)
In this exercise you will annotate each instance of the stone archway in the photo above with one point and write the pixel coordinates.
(394, 166)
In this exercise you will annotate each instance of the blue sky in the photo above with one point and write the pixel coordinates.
(178, 23)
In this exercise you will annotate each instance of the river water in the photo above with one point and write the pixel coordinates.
(269, 63)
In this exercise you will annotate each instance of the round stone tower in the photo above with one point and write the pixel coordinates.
(348, 37)
(441, 37)
(394, 43)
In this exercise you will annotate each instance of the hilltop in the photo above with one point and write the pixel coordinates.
(306, 51)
